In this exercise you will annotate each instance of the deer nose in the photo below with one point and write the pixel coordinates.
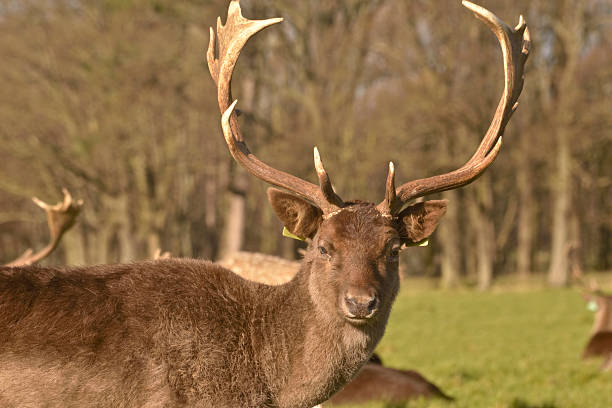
(361, 307)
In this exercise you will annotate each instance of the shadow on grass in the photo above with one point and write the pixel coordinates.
(519, 403)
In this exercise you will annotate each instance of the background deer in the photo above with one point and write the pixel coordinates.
(60, 218)
(180, 332)
(375, 382)
(600, 342)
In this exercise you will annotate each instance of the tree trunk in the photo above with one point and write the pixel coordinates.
(558, 272)
(604, 255)
(209, 251)
(153, 243)
(125, 236)
(233, 233)
(480, 209)
(98, 244)
(570, 34)
(448, 234)
(74, 246)
(526, 220)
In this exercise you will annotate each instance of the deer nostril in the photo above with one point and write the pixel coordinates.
(361, 307)
(350, 301)
(373, 304)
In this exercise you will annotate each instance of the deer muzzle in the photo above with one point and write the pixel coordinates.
(360, 307)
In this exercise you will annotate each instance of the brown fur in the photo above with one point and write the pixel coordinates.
(179, 332)
(603, 316)
(418, 221)
(600, 343)
(376, 382)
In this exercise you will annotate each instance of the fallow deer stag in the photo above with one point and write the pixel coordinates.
(600, 342)
(178, 333)
(60, 218)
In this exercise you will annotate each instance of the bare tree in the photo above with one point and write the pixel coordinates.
(131, 125)
(569, 30)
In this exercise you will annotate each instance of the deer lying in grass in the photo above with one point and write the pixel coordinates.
(60, 218)
(262, 268)
(374, 382)
(180, 332)
(600, 343)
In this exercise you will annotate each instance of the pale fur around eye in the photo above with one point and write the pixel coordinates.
(393, 250)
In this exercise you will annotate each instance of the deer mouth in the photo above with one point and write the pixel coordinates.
(359, 313)
(359, 321)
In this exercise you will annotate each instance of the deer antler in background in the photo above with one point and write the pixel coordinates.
(61, 218)
(159, 254)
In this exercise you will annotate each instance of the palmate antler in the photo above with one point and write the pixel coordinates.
(515, 45)
(231, 38)
(61, 218)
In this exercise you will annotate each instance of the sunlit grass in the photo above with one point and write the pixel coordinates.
(515, 349)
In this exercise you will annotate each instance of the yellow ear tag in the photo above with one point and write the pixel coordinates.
(289, 234)
(422, 243)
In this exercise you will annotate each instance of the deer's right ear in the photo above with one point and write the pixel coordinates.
(298, 215)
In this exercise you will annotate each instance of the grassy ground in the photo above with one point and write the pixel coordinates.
(508, 348)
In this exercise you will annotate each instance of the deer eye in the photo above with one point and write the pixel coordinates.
(325, 249)
(394, 250)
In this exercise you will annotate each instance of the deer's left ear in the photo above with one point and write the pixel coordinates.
(418, 221)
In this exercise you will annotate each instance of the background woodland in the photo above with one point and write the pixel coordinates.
(113, 100)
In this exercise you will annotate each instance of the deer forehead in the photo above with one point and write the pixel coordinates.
(358, 226)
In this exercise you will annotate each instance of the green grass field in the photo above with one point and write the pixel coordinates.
(515, 349)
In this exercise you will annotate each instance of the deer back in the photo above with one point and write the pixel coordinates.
(176, 330)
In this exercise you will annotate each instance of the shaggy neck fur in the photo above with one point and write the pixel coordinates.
(320, 351)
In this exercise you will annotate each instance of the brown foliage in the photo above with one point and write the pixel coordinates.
(112, 100)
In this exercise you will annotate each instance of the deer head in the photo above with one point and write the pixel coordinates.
(354, 246)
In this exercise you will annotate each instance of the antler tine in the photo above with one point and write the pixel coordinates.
(159, 254)
(230, 39)
(391, 203)
(325, 182)
(60, 218)
(22, 260)
(514, 44)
